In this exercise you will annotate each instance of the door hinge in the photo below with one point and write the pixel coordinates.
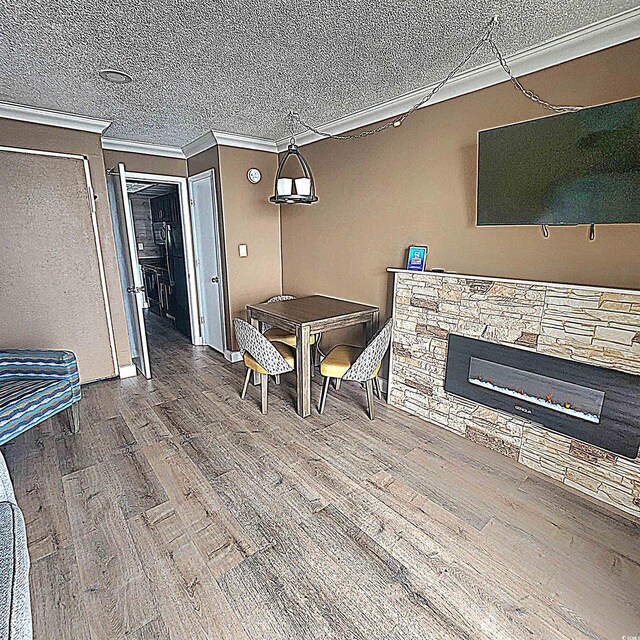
(135, 289)
(201, 319)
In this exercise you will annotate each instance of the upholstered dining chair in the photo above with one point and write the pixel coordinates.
(274, 334)
(345, 362)
(264, 357)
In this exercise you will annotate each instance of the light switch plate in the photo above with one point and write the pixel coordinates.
(242, 250)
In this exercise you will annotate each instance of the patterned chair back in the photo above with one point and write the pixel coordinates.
(280, 298)
(367, 362)
(259, 348)
(283, 298)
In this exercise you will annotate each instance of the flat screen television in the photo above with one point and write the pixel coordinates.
(572, 168)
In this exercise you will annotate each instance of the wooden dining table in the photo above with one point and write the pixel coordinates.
(311, 316)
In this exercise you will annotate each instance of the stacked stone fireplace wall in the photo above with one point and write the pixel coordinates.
(600, 327)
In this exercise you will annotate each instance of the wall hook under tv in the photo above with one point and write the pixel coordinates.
(592, 232)
(545, 230)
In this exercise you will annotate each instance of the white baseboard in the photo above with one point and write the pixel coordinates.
(128, 371)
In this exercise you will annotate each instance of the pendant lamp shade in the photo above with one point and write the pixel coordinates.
(299, 189)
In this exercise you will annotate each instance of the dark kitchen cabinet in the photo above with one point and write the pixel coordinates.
(166, 208)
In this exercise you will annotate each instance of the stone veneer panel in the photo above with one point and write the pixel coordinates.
(599, 327)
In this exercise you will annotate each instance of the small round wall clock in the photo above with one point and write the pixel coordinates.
(254, 176)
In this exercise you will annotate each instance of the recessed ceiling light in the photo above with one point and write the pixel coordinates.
(111, 75)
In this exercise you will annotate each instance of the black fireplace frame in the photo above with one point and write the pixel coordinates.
(619, 427)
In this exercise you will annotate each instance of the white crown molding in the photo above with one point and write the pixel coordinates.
(213, 138)
(606, 33)
(52, 118)
(131, 146)
(204, 142)
(245, 142)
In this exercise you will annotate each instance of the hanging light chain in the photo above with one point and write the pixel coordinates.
(292, 127)
(562, 108)
(487, 38)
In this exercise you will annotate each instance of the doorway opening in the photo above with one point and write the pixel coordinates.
(157, 221)
(162, 260)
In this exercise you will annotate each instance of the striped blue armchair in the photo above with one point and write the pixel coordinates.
(35, 385)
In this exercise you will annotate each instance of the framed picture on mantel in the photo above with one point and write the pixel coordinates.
(417, 258)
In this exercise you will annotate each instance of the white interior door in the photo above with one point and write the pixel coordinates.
(130, 271)
(208, 259)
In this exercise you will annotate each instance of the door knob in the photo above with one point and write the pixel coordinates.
(215, 279)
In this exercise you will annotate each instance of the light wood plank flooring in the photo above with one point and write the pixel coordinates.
(180, 512)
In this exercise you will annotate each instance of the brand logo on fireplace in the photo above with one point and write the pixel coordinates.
(523, 409)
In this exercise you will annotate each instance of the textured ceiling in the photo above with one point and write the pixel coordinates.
(240, 66)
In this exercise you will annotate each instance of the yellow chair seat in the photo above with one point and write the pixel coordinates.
(282, 335)
(284, 351)
(340, 359)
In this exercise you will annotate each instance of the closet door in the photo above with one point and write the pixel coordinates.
(52, 288)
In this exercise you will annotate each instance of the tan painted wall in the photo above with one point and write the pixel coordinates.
(44, 138)
(246, 217)
(249, 218)
(416, 184)
(204, 161)
(145, 163)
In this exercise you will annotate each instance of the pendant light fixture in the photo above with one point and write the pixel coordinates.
(294, 185)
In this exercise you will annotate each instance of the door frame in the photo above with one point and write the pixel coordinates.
(96, 237)
(200, 276)
(187, 234)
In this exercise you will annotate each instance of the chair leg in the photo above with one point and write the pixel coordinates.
(277, 378)
(74, 417)
(246, 384)
(376, 386)
(264, 391)
(323, 395)
(369, 385)
(337, 382)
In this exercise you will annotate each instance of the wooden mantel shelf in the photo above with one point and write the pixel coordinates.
(469, 276)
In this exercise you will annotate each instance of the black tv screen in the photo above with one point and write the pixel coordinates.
(573, 168)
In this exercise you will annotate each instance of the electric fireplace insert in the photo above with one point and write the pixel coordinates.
(597, 405)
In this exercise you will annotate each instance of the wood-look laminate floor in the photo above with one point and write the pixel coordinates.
(181, 512)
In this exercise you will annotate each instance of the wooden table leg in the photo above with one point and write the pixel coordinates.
(371, 326)
(255, 378)
(303, 370)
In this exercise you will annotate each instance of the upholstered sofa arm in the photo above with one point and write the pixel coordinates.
(15, 604)
(6, 488)
(40, 364)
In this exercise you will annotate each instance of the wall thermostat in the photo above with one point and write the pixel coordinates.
(254, 176)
